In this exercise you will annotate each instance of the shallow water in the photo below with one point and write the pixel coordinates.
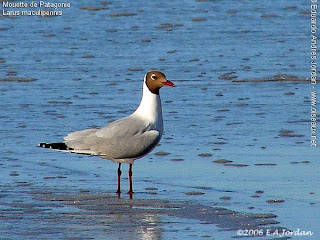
(85, 68)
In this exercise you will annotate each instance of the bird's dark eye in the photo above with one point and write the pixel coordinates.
(154, 77)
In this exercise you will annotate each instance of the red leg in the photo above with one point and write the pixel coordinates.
(130, 181)
(119, 175)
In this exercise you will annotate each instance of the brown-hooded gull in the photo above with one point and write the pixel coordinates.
(128, 138)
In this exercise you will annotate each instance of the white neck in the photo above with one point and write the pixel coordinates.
(150, 106)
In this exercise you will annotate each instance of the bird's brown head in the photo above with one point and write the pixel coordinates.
(155, 80)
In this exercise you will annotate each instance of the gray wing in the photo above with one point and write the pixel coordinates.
(126, 138)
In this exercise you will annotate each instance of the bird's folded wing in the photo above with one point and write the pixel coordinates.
(125, 138)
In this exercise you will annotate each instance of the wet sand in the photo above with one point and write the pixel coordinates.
(90, 216)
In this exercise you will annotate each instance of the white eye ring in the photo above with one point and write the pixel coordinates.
(153, 77)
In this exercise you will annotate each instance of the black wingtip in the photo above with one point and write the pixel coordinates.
(43, 145)
(57, 146)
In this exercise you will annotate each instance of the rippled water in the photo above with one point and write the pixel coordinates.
(85, 68)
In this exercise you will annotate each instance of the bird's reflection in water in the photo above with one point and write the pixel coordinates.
(111, 217)
(132, 226)
(151, 229)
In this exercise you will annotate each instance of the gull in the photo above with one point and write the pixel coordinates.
(126, 139)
